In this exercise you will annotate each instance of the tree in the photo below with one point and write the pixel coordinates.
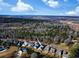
(1, 42)
(74, 51)
(34, 55)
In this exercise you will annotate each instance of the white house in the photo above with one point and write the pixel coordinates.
(47, 48)
(25, 44)
(40, 48)
(29, 44)
(19, 53)
(36, 45)
(65, 54)
(52, 50)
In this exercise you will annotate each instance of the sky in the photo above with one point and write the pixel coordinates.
(39, 7)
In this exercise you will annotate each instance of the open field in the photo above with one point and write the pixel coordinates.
(9, 53)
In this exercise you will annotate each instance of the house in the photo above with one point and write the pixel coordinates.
(25, 43)
(52, 50)
(42, 47)
(21, 50)
(59, 52)
(68, 41)
(20, 43)
(47, 48)
(29, 44)
(17, 43)
(36, 45)
(65, 54)
(19, 53)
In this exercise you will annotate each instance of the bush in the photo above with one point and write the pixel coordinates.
(34, 55)
(74, 51)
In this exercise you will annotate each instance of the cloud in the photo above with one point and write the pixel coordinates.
(21, 7)
(3, 4)
(51, 3)
(73, 12)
